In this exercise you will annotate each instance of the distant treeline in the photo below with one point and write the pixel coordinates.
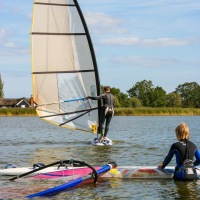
(144, 94)
(143, 99)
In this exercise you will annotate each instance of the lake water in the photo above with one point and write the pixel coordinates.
(137, 141)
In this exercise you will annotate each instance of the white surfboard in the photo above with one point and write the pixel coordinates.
(105, 142)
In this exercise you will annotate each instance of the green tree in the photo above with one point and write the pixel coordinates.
(121, 99)
(189, 93)
(197, 99)
(1, 88)
(158, 97)
(142, 90)
(134, 102)
(174, 100)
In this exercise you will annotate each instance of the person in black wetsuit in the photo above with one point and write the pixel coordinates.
(107, 110)
(184, 150)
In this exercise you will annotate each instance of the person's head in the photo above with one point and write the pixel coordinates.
(107, 88)
(182, 131)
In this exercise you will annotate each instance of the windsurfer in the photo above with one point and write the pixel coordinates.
(185, 151)
(107, 110)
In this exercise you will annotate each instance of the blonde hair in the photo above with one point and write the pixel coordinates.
(182, 131)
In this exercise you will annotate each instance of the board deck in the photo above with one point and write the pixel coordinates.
(21, 170)
(135, 172)
(105, 142)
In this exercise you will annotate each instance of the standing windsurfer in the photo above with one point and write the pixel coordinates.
(107, 110)
(185, 151)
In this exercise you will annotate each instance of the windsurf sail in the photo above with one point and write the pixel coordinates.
(76, 182)
(64, 67)
(62, 163)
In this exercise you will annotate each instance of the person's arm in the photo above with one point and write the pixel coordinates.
(167, 158)
(197, 156)
(96, 98)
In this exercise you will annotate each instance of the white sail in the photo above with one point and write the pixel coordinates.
(64, 69)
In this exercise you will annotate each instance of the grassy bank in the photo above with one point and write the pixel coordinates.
(145, 111)
(17, 112)
(118, 111)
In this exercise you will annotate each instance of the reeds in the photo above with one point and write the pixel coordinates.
(147, 111)
(17, 112)
(142, 111)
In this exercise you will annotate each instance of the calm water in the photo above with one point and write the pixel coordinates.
(137, 141)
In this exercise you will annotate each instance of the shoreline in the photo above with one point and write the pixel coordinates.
(143, 111)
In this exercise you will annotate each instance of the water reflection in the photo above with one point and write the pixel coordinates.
(141, 141)
(187, 190)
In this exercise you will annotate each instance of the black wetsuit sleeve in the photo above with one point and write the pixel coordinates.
(197, 156)
(169, 156)
(96, 98)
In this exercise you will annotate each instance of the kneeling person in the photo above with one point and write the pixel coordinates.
(185, 151)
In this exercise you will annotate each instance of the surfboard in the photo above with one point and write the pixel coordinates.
(134, 172)
(105, 142)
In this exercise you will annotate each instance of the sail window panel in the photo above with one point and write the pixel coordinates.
(61, 119)
(71, 89)
(83, 53)
(73, 86)
(61, 53)
(88, 80)
(76, 25)
(85, 122)
(57, 19)
(56, 1)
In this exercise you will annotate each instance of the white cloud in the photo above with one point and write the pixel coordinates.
(101, 22)
(2, 33)
(166, 42)
(11, 49)
(96, 18)
(11, 45)
(121, 41)
(17, 10)
(1, 6)
(152, 62)
(141, 61)
(160, 42)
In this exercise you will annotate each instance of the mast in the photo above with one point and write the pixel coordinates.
(93, 55)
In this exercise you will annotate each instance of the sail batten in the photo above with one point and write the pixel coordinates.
(88, 110)
(63, 65)
(43, 33)
(54, 4)
(74, 118)
(55, 72)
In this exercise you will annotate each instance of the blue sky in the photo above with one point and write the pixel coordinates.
(133, 40)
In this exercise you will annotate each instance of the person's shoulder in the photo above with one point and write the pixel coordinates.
(191, 143)
(175, 144)
(112, 95)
